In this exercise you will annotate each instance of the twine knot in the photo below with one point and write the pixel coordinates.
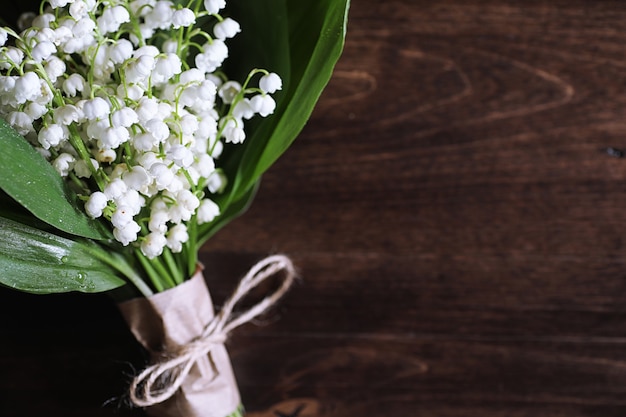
(160, 381)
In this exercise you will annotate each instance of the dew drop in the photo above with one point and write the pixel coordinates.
(64, 259)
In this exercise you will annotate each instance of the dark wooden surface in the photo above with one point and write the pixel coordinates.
(456, 220)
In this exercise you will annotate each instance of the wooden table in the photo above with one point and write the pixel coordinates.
(457, 222)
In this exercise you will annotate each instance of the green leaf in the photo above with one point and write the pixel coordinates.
(40, 262)
(316, 37)
(301, 40)
(31, 181)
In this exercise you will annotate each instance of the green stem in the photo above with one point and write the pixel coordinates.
(157, 271)
(121, 265)
(191, 246)
(175, 271)
(150, 271)
(81, 149)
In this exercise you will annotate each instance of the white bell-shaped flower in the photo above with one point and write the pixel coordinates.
(162, 174)
(270, 83)
(226, 29)
(263, 104)
(73, 84)
(233, 131)
(95, 204)
(158, 221)
(115, 189)
(243, 109)
(214, 6)
(13, 57)
(4, 35)
(176, 236)
(26, 87)
(96, 108)
(137, 178)
(51, 135)
(183, 18)
(122, 216)
(79, 9)
(180, 155)
(66, 115)
(132, 200)
(112, 137)
(205, 165)
(35, 110)
(82, 169)
(124, 117)
(228, 91)
(160, 17)
(207, 211)
(112, 18)
(83, 27)
(153, 244)
(55, 4)
(21, 122)
(120, 51)
(64, 164)
(139, 70)
(127, 233)
(42, 51)
(54, 67)
(158, 128)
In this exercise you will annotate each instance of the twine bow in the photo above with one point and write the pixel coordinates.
(160, 381)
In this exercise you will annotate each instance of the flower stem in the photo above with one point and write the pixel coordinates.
(150, 271)
(118, 262)
(192, 247)
(157, 271)
(175, 271)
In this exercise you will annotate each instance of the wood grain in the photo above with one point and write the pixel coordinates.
(456, 220)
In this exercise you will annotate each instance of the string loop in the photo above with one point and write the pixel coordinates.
(160, 381)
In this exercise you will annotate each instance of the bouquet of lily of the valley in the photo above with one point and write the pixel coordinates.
(131, 131)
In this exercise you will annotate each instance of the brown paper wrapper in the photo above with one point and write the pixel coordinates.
(170, 319)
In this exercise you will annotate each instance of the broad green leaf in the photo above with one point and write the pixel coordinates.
(301, 40)
(31, 181)
(12, 210)
(316, 38)
(40, 262)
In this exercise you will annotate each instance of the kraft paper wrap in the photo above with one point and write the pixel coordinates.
(167, 320)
